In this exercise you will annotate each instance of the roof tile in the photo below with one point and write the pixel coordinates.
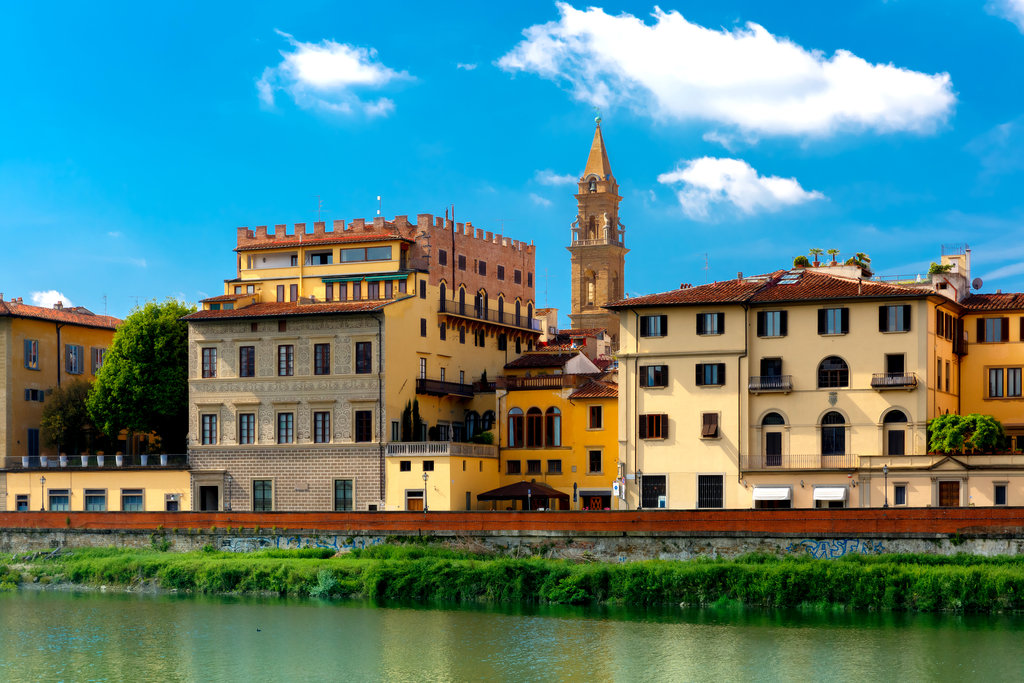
(71, 316)
(286, 308)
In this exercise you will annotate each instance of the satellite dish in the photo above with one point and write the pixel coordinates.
(976, 283)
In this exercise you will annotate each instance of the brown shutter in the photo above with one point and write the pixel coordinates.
(721, 373)
(1006, 329)
(822, 320)
(906, 318)
(700, 323)
(760, 323)
(700, 375)
(783, 323)
(642, 426)
(664, 325)
(846, 320)
(883, 318)
(664, 426)
(721, 323)
(981, 330)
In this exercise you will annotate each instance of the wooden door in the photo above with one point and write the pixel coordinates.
(414, 504)
(594, 503)
(949, 494)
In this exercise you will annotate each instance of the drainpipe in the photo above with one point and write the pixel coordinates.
(379, 317)
(740, 422)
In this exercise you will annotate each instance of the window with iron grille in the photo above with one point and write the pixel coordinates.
(364, 358)
(285, 427)
(364, 425)
(285, 360)
(710, 374)
(247, 428)
(654, 375)
(652, 489)
(554, 466)
(533, 467)
(209, 436)
(710, 491)
(343, 495)
(262, 495)
(322, 426)
(513, 467)
(247, 361)
(653, 426)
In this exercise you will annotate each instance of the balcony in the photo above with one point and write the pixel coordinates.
(436, 387)
(440, 449)
(771, 463)
(470, 312)
(763, 384)
(893, 380)
(92, 462)
(542, 382)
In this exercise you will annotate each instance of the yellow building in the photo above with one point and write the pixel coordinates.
(301, 372)
(803, 388)
(82, 483)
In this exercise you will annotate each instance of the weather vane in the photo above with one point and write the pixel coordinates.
(597, 116)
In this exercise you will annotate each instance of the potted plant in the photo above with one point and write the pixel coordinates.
(99, 458)
(119, 459)
(833, 253)
(801, 262)
(85, 460)
(44, 461)
(815, 253)
(63, 459)
(163, 460)
(144, 459)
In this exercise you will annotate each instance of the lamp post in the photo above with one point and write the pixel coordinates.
(425, 493)
(42, 494)
(885, 475)
(529, 499)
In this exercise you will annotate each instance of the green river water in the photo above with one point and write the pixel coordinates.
(94, 636)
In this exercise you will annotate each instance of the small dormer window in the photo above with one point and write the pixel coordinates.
(593, 184)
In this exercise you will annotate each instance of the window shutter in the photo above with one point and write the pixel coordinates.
(846, 320)
(938, 323)
(28, 348)
(783, 323)
(1006, 329)
(721, 323)
(883, 318)
(700, 375)
(644, 326)
(664, 426)
(822, 320)
(981, 330)
(721, 373)
(760, 323)
(664, 324)
(664, 375)
(642, 424)
(906, 318)
(26, 394)
(700, 323)
(643, 375)
(1021, 338)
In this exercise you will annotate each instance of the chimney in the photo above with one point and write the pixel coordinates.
(739, 275)
(59, 305)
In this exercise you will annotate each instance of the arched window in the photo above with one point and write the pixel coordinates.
(833, 434)
(515, 428)
(592, 228)
(501, 309)
(487, 421)
(472, 424)
(443, 290)
(462, 301)
(772, 437)
(478, 304)
(553, 427)
(895, 428)
(534, 428)
(772, 419)
(593, 185)
(529, 312)
(517, 314)
(833, 372)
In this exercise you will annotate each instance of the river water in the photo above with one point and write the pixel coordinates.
(93, 636)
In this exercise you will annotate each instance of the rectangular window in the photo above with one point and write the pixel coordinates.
(423, 289)
(517, 277)
(209, 436)
(443, 331)
(899, 494)
(501, 272)
(513, 467)
(999, 494)
(709, 426)
(894, 318)
(710, 374)
(833, 320)
(653, 491)
(364, 425)
(294, 261)
(462, 335)
(389, 289)
(428, 465)
(653, 325)
(1012, 382)
(357, 291)
(529, 279)
(343, 495)
(533, 467)
(364, 357)
(282, 325)
(554, 466)
(32, 354)
(710, 491)
(595, 418)
(423, 327)
(653, 426)
(947, 375)
(209, 362)
(342, 291)
(481, 268)
(321, 359)
(991, 330)
(74, 356)
(711, 323)
(131, 500)
(321, 258)
(280, 293)
(395, 430)
(285, 360)
(772, 323)
(33, 441)
(247, 428)
(462, 261)
(329, 291)
(373, 291)
(405, 465)
(95, 500)
(60, 500)
(98, 356)
(423, 368)
(654, 375)
(322, 427)
(895, 363)
(247, 361)
(995, 382)
(442, 257)
(21, 502)
(262, 495)
(357, 254)
(594, 465)
(285, 427)
(293, 292)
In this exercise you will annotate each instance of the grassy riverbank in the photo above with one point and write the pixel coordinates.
(922, 583)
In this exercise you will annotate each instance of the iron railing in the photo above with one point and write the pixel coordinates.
(893, 380)
(766, 383)
(489, 314)
(95, 462)
(441, 449)
(436, 387)
(789, 461)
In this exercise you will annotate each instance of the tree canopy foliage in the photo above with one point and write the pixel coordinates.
(952, 434)
(143, 384)
(65, 422)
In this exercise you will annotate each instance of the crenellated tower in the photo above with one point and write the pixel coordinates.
(598, 246)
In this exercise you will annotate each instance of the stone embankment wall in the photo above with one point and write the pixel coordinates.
(608, 536)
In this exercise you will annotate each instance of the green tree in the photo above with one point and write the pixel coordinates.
(951, 434)
(65, 423)
(143, 385)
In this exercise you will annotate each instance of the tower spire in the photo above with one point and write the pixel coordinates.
(597, 162)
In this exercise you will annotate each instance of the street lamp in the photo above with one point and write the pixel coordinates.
(42, 494)
(885, 474)
(425, 493)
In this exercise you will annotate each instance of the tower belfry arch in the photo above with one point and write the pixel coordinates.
(598, 250)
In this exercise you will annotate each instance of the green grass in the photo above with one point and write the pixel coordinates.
(404, 572)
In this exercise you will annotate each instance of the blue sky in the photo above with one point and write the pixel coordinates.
(135, 138)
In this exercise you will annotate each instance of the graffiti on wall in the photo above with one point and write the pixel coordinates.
(832, 548)
(338, 543)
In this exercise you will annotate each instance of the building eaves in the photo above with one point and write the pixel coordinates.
(290, 308)
(67, 316)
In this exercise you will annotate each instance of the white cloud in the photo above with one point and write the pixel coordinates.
(708, 181)
(466, 67)
(538, 200)
(747, 77)
(549, 177)
(999, 149)
(114, 233)
(1005, 271)
(1012, 10)
(48, 298)
(327, 75)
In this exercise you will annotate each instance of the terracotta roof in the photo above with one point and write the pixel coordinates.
(603, 362)
(285, 308)
(780, 286)
(585, 332)
(72, 316)
(596, 388)
(1011, 301)
(540, 360)
(313, 242)
(226, 297)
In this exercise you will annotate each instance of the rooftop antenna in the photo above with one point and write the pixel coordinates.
(379, 205)
(545, 287)
(319, 208)
(136, 297)
(104, 304)
(707, 267)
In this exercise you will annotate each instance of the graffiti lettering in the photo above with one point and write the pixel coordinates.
(832, 548)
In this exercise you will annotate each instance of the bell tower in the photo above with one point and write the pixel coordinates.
(598, 247)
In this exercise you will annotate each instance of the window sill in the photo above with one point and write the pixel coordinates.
(595, 429)
(833, 334)
(711, 334)
(894, 331)
(710, 386)
(656, 386)
(711, 438)
(595, 474)
(771, 336)
(652, 438)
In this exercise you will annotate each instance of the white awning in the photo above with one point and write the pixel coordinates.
(830, 492)
(773, 493)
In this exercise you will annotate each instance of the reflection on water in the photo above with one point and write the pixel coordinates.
(64, 636)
